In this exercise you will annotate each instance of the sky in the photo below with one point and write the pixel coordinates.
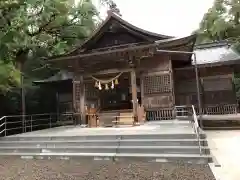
(169, 17)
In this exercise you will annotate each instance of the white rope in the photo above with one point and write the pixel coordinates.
(106, 81)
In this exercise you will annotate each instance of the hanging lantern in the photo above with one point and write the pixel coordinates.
(112, 85)
(99, 86)
(116, 81)
(96, 84)
(106, 87)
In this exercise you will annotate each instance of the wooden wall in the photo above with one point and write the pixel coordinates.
(157, 82)
(216, 86)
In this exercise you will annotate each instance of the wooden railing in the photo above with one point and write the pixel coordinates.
(160, 114)
(210, 110)
(221, 109)
(181, 111)
(169, 113)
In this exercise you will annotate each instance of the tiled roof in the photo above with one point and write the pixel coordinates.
(219, 52)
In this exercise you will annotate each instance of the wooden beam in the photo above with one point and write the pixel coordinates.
(156, 73)
(134, 94)
(109, 71)
(79, 56)
(218, 76)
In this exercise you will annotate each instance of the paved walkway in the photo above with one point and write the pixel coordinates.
(225, 147)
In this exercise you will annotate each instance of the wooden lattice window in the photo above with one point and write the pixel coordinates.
(157, 84)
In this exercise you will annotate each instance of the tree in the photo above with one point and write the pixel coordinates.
(9, 76)
(51, 27)
(221, 22)
(31, 30)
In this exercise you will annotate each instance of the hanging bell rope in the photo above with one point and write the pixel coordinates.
(107, 81)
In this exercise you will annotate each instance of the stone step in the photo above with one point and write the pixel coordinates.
(193, 158)
(124, 142)
(163, 142)
(109, 149)
(162, 149)
(102, 137)
(186, 158)
(174, 122)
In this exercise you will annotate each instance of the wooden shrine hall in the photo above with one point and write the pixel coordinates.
(126, 73)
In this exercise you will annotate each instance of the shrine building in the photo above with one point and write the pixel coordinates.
(124, 71)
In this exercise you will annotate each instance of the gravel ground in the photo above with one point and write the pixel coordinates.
(12, 168)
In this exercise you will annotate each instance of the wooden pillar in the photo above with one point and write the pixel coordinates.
(142, 88)
(58, 106)
(79, 99)
(134, 94)
(172, 87)
(197, 84)
(172, 81)
(82, 100)
(202, 93)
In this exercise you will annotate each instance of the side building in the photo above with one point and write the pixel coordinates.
(217, 63)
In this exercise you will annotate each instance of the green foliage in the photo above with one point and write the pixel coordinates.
(221, 22)
(9, 76)
(31, 29)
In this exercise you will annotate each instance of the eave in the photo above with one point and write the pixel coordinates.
(172, 43)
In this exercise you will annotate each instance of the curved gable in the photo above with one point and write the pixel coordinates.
(115, 31)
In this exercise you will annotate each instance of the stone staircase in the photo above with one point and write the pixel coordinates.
(154, 147)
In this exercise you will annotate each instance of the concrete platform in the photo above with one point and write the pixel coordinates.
(168, 127)
(163, 141)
